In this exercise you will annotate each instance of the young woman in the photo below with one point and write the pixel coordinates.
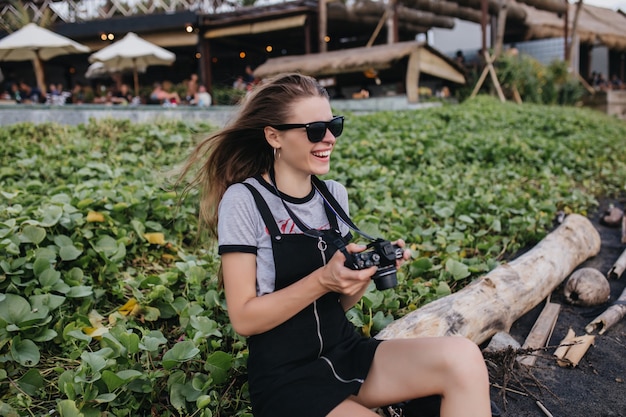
(287, 287)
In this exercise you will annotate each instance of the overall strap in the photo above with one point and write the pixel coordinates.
(332, 218)
(266, 214)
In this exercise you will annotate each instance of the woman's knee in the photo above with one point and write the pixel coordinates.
(465, 360)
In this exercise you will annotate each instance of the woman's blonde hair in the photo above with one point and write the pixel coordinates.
(239, 150)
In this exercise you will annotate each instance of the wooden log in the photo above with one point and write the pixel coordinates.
(618, 267)
(494, 301)
(557, 6)
(609, 317)
(514, 11)
(405, 14)
(445, 8)
(339, 12)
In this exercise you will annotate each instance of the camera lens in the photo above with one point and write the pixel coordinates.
(385, 278)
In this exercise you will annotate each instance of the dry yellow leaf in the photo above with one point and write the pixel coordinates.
(167, 257)
(155, 238)
(128, 308)
(95, 217)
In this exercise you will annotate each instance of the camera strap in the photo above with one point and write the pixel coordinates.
(308, 231)
(329, 201)
(336, 208)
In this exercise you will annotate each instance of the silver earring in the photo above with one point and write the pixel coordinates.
(276, 153)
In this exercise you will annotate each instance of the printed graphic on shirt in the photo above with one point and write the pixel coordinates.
(288, 226)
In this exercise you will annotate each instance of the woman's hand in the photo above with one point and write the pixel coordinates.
(406, 254)
(337, 277)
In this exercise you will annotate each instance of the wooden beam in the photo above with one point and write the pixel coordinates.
(540, 333)
(445, 8)
(556, 6)
(407, 14)
(515, 11)
(412, 77)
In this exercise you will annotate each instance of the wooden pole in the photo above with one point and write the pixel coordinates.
(574, 42)
(501, 25)
(566, 32)
(483, 24)
(39, 74)
(323, 25)
(379, 26)
(490, 59)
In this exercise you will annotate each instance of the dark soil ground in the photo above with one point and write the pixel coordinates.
(597, 386)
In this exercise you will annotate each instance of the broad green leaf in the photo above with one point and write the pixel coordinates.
(14, 309)
(45, 335)
(95, 360)
(152, 341)
(33, 234)
(25, 352)
(68, 408)
(51, 301)
(373, 298)
(63, 240)
(380, 321)
(50, 278)
(79, 291)
(51, 216)
(31, 382)
(218, 364)
(466, 219)
(205, 326)
(177, 396)
(40, 265)
(69, 253)
(203, 401)
(457, 269)
(105, 398)
(106, 245)
(443, 289)
(179, 353)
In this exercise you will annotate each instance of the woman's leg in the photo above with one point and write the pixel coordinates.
(405, 369)
(350, 408)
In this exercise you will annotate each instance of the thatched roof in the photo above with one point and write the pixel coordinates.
(377, 57)
(595, 25)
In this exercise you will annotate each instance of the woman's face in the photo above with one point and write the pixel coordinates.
(297, 154)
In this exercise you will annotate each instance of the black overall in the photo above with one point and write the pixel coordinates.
(316, 359)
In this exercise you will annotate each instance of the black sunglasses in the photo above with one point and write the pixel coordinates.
(316, 131)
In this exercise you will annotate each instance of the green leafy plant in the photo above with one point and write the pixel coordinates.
(538, 83)
(110, 304)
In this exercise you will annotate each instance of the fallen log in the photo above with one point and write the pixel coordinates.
(494, 301)
(609, 317)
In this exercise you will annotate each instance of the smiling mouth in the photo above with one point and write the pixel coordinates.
(324, 154)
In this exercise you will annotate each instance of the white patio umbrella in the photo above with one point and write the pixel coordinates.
(38, 44)
(134, 53)
(99, 70)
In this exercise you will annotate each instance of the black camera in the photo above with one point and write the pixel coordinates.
(383, 255)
